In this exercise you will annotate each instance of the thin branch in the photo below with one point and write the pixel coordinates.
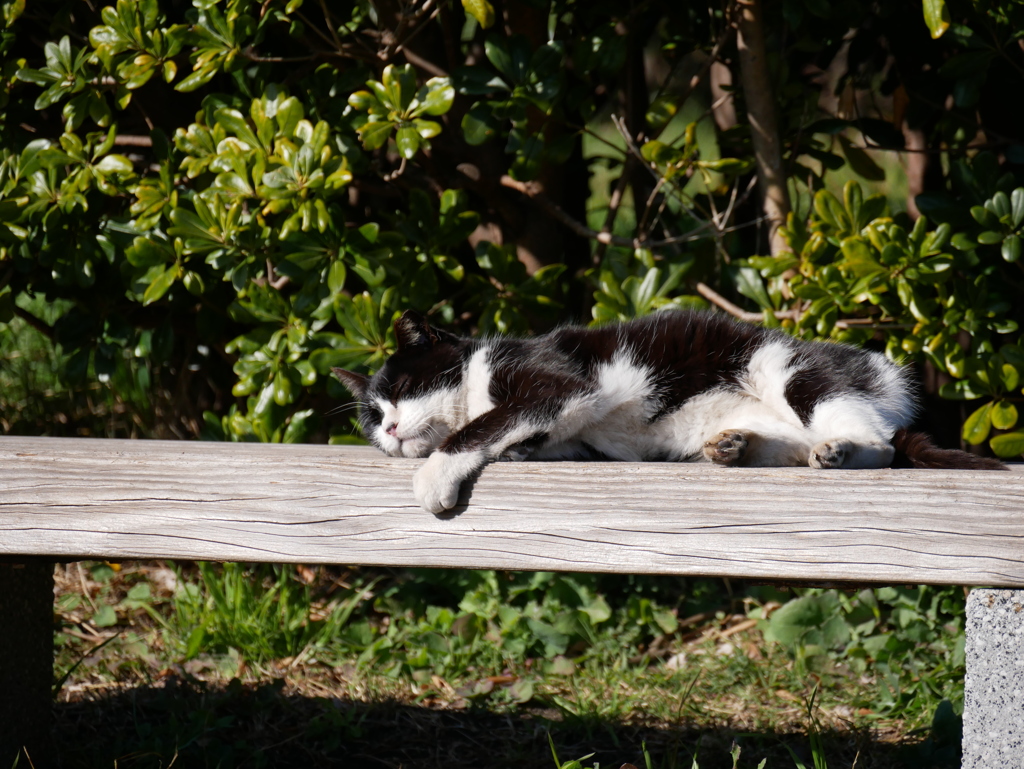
(128, 140)
(634, 149)
(735, 310)
(38, 324)
(535, 192)
(417, 60)
(248, 53)
(330, 24)
(793, 314)
(401, 44)
(273, 279)
(613, 210)
(597, 137)
(645, 226)
(396, 173)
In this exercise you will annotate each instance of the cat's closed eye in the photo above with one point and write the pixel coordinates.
(399, 389)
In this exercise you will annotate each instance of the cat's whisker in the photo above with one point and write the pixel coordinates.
(344, 407)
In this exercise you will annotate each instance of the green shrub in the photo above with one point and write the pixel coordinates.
(223, 201)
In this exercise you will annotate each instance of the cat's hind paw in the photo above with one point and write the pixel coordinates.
(830, 454)
(726, 448)
(436, 484)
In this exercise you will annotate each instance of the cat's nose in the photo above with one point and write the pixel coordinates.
(391, 429)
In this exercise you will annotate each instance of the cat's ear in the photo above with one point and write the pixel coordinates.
(357, 384)
(412, 330)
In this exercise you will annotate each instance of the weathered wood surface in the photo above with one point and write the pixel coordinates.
(71, 498)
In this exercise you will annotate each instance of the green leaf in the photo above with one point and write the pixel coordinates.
(660, 153)
(435, 97)
(522, 690)
(859, 257)
(198, 78)
(1010, 376)
(1011, 248)
(364, 101)
(984, 217)
(147, 253)
(375, 135)
(496, 50)
(427, 129)
(978, 425)
(962, 242)
(960, 390)
(825, 206)
(336, 276)
(188, 225)
(299, 426)
(936, 17)
(160, 285)
(749, 283)
(1004, 415)
(481, 10)
(789, 624)
(1017, 207)
(479, 124)
(105, 616)
(407, 140)
(234, 122)
(115, 164)
(1008, 444)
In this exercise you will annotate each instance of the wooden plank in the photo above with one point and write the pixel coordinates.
(72, 498)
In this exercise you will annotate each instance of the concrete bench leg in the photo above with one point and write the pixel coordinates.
(994, 685)
(26, 663)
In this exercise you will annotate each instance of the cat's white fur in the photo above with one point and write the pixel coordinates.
(422, 423)
(478, 383)
(436, 484)
(614, 419)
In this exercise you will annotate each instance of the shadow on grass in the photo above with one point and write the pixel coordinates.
(189, 724)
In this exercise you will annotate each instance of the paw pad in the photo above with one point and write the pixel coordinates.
(827, 455)
(726, 448)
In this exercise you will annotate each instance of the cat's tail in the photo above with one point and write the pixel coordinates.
(917, 450)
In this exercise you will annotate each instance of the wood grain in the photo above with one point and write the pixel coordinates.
(72, 498)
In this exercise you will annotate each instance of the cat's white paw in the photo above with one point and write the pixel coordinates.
(436, 484)
(726, 448)
(830, 454)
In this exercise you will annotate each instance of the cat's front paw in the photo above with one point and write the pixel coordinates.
(436, 484)
(726, 448)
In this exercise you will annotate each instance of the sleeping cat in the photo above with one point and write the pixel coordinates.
(675, 386)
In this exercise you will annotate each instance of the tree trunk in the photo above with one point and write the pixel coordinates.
(757, 93)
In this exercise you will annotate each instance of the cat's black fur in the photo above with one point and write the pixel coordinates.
(680, 386)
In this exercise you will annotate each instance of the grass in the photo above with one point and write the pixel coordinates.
(274, 666)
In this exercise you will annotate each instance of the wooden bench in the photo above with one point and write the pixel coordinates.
(69, 499)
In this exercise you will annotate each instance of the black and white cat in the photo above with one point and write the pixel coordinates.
(675, 386)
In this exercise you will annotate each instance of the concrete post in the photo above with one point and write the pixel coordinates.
(994, 685)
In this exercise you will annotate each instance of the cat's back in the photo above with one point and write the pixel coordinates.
(703, 347)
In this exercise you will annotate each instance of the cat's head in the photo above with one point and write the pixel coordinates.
(405, 409)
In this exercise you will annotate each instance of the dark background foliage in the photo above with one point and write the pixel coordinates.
(203, 208)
